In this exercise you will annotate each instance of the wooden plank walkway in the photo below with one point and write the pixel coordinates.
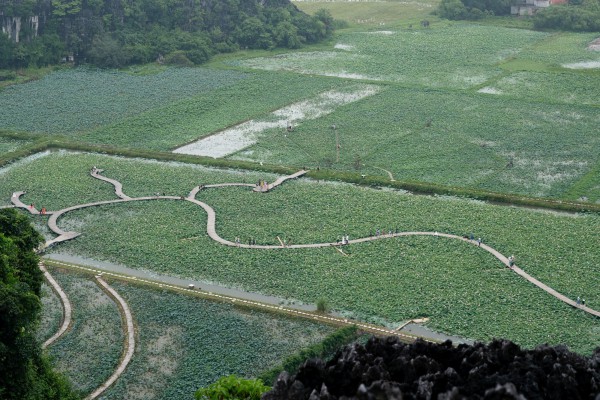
(67, 309)
(16, 200)
(129, 340)
(118, 186)
(278, 181)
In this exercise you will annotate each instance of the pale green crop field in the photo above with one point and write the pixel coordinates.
(449, 55)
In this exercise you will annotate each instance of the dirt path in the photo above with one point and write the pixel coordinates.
(129, 341)
(67, 309)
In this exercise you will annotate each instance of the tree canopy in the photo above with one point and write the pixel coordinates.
(25, 373)
(111, 33)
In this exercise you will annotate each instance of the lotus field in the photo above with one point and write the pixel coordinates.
(452, 56)
(457, 104)
(52, 312)
(464, 290)
(91, 349)
(183, 342)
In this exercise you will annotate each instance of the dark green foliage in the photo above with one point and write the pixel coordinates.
(472, 9)
(325, 349)
(24, 372)
(113, 34)
(584, 18)
(234, 388)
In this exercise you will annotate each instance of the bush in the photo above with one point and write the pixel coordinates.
(179, 59)
(234, 388)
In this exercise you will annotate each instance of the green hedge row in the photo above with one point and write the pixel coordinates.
(324, 349)
(320, 174)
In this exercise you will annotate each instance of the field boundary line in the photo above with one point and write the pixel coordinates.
(67, 308)
(323, 318)
(129, 338)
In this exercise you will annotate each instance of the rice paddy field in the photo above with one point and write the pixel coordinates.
(463, 290)
(183, 342)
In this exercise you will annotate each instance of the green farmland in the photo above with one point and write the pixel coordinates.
(386, 281)
(478, 110)
(175, 333)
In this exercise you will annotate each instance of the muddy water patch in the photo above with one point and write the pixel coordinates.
(246, 134)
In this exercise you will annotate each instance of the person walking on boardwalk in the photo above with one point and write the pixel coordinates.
(578, 300)
(479, 242)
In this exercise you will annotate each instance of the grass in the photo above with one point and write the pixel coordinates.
(464, 291)
(8, 145)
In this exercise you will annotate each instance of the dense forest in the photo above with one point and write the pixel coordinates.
(578, 15)
(114, 33)
(25, 372)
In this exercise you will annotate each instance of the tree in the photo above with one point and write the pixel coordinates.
(452, 9)
(25, 373)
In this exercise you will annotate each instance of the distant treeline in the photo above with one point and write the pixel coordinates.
(114, 33)
(578, 15)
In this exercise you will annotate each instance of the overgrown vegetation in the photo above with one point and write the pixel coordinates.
(233, 387)
(25, 372)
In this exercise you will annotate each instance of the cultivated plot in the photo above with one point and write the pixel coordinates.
(185, 343)
(90, 351)
(76, 100)
(387, 281)
(456, 56)
(475, 140)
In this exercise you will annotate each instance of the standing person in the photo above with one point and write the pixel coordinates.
(479, 242)
(578, 300)
(583, 302)
(472, 237)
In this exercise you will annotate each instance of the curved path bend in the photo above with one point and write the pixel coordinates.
(67, 309)
(212, 233)
(129, 342)
(118, 185)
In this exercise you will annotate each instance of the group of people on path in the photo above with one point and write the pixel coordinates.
(263, 185)
(345, 239)
(580, 301)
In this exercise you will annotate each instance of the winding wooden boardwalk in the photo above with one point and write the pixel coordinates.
(67, 309)
(129, 341)
(212, 233)
(96, 173)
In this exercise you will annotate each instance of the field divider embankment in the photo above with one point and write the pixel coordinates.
(66, 304)
(424, 188)
(127, 318)
(251, 303)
